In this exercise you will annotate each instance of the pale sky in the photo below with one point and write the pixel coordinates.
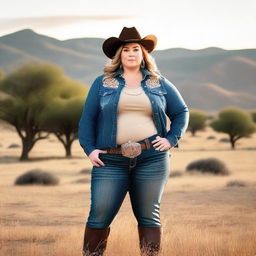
(192, 24)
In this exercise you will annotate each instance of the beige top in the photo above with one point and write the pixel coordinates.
(134, 121)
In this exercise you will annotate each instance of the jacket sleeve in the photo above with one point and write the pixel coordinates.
(177, 111)
(88, 121)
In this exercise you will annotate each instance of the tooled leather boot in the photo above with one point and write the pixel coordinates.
(95, 241)
(150, 239)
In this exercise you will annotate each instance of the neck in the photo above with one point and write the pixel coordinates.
(132, 71)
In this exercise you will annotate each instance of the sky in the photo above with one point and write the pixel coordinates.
(192, 24)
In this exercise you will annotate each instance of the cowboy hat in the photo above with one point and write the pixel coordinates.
(128, 35)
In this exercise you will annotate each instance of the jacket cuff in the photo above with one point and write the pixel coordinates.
(173, 140)
(88, 150)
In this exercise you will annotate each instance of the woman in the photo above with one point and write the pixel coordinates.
(123, 131)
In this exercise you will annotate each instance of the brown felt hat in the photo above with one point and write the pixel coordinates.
(128, 35)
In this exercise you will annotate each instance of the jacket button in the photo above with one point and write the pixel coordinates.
(152, 101)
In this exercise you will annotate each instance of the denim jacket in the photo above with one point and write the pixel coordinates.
(98, 123)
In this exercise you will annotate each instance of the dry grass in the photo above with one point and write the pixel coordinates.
(201, 215)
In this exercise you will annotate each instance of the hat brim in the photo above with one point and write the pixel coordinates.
(111, 44)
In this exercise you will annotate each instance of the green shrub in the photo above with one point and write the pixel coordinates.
(234, 122)
(253, 115)
(197, 121)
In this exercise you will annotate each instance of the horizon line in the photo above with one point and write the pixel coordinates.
(162, 49)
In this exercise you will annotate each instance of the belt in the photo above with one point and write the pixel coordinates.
(144, 145)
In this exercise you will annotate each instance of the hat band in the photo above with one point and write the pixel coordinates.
(131, 40)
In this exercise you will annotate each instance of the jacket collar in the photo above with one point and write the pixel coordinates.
(144, 72)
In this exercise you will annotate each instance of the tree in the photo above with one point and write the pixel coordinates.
(197, 121)
(235, 122)
(1, 75)
(24, 96)
(253, 114)
(62, 114)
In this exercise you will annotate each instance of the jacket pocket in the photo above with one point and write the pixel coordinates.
(158, 91)
(106, 97)
(106, 92)
(158, 94)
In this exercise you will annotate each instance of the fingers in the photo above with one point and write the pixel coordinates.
(100, 162)
(103, 151)
(158, 138)
(162, 147)
(161, 143)
(94, 163)
(158, 142)
(94, 157)
(97, 162)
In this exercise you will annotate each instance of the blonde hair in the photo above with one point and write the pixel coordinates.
(110, 68)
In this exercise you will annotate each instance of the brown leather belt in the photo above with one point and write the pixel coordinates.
(145, 145)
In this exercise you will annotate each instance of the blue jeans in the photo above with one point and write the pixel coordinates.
(144, 177)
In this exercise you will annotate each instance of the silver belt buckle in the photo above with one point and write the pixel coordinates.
(131, 149)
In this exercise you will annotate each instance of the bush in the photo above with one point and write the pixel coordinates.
(224, 140)
(175, 174)
(234, 122)
(208, 165)
(197, 121)
(253, 115)
(14, 146)
(86, 171)
(37, 177)
(82, 181)
(236, 183)
(211, 137)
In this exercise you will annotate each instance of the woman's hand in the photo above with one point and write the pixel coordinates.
(161, 143)
(94, 157)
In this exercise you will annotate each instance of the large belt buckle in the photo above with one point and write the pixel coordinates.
(131, 149)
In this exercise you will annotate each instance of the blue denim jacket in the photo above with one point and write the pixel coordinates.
(98, 123)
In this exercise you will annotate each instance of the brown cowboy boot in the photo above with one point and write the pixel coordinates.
(95, 241)
(150, 239)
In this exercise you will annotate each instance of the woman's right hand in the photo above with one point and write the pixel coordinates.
(94, 157)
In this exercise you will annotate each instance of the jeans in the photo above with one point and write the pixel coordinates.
(144, 177)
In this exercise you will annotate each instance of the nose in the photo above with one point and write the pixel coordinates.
(131, 53)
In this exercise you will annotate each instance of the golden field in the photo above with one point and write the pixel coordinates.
(201, 215)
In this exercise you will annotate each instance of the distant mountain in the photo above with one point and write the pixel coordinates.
(209, 79)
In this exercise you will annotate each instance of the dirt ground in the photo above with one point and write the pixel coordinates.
(200, 214)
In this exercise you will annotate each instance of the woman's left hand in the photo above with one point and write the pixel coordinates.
(161, 143)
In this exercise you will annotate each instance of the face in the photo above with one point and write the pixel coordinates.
(131, 55)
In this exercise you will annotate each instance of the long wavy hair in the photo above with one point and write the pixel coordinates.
(110, 68)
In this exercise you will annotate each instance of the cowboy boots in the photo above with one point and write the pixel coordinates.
(150, 239)
(95, 241)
